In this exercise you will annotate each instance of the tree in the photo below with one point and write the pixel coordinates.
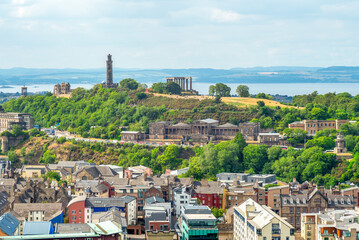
(255, 157)
(219, 89)
(212, 90)
(51, 175)
(242, 91)
(159, 87)
(173, 88)
(129, 83)
(141, 95)
(260, 104)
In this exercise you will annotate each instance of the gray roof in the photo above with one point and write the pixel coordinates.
(96, 171)
(208, 120)
(23, 209)
(197, 210)
(154, 199)
(108, 202)
(94, 185)
(65, 228)
(227, 125)
(4, 200)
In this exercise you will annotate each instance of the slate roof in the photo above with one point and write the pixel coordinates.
(210, 187)
(4, 200)
(108, 202)
(51, 209)
(8, 224)
(65, 228)
(97, 171)
(93, 185)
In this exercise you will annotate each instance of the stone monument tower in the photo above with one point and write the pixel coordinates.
(109, 74)
(23, 91)
(340, 144)
(109, 79)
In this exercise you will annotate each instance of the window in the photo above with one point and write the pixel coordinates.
(291, 210)
(287, 238)
(259, 232)
(309, 227)
(73, 211)
(73, 217)
(131, 190)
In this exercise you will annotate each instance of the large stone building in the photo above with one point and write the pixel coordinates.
(205, 130)
(10, 119)
(63, 88)
(313, 126)
(184, 82)
(109, 74)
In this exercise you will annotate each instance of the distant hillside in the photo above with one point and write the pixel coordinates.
(27, 76)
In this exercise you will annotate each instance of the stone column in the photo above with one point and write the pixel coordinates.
(186, 84)
(190, 83)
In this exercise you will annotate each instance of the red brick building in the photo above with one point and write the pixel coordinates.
(209, 193)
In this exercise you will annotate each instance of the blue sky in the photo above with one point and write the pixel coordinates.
(178, 33)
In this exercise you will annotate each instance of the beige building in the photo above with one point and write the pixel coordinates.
(313, 126)
(35, 212)
(254, 221)
(63, 88)
(330, 225)
(10, 119)
(33, 171)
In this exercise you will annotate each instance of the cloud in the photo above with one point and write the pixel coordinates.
(222, 16)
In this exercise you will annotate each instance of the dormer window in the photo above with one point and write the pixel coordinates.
(329, 201)
(291, 200)
(335, 201)
(342, 201)
(285, 201)
(349, 202)
(298, 201)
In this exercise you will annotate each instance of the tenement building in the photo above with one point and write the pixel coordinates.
(10, 119)
(255, 221)
(205, 130)
(63, 88)
(313, 126)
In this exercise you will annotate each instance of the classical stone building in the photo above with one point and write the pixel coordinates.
(184, 82)
(313, 126)
(109, 74)
(205, 130)
(63, 88)
(10, 119)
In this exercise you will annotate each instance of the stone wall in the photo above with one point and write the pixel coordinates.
(8, 142)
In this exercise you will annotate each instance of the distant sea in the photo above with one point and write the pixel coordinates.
(290, 89)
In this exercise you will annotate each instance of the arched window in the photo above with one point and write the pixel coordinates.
(84, 178)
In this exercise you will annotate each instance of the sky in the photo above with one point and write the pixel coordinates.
(178, 33)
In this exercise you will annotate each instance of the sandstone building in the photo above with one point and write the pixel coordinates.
(63, 88)
(205, 130)
(10, 119)
(313, 126)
